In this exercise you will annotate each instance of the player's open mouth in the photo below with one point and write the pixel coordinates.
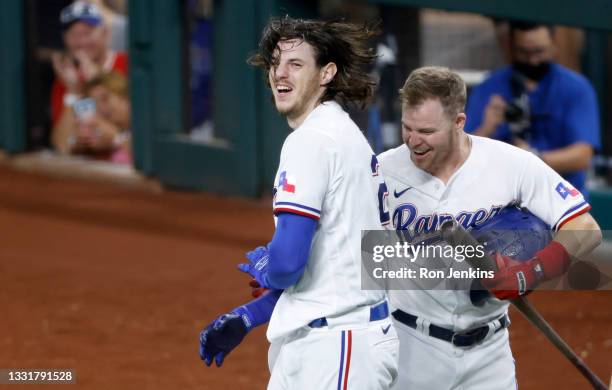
(283, 90)
(421, 153)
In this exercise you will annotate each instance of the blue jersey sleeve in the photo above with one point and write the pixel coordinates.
(290, 249)
(259, 310)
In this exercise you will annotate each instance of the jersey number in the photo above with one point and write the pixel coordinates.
(383, 192)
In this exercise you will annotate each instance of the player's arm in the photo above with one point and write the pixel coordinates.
(577, 233)
(224, 334)
(579, 236)
(279, 266)
(576, 238)
(307, 160)
(282, 264)
(290, 249)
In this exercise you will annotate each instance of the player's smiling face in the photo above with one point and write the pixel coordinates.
(432, 137)
(297, 82)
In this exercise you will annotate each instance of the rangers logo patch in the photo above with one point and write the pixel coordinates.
(286, 182)
(565, 191)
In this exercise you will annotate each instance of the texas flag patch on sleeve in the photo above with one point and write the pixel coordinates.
(564, 191)
(286, 182)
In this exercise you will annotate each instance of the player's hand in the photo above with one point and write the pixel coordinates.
(257, 266)
(256, 289)
(512, 278)
(220, 337)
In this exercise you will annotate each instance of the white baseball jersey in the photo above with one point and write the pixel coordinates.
(494, 175)
(328, 172)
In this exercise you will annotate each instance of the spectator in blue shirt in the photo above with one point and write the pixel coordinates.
(539, 105)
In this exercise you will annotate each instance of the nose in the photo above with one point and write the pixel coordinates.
(411, 139)
(280, 71)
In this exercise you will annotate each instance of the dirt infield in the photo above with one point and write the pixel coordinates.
(117, 284)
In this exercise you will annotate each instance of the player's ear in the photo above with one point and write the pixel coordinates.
(460, 121)
(328, 72)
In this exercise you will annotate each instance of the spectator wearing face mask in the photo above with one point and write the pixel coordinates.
(539, 105)
(86, 56)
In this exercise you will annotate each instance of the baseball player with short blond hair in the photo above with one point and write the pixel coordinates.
(440, 173)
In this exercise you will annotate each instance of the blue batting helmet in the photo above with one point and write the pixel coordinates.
(513, 232)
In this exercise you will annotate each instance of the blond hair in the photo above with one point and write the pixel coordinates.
(435, 82)
(113, 81)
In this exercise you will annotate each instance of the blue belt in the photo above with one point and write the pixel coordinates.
(378, 312)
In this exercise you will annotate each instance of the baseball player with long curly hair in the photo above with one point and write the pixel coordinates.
(448, 339)
(325, 331)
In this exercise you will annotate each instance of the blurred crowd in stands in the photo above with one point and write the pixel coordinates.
(537, 100)
(90, 106)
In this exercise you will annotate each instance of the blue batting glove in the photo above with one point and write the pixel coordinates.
(224, 334)
(257, 266)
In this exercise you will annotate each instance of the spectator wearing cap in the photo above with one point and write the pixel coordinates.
(86, 56)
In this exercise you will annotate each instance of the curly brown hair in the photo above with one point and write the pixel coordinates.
(435, 82)
(342, 43)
